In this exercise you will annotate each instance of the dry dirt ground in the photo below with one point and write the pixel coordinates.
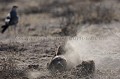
(97, 42)
(24, 53)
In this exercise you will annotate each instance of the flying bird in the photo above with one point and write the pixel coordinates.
(11, 19)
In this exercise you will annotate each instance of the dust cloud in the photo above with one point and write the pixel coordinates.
(95, 42)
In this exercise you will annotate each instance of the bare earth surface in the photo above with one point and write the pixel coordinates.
(103, 49)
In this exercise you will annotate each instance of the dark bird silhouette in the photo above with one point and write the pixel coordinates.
(11, 19)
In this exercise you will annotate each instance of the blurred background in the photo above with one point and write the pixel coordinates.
(60, 17)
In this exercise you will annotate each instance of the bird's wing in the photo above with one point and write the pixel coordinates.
(7, 19)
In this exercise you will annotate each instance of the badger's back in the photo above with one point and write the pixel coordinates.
(57, 64)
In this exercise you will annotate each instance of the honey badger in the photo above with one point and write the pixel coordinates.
(59, 63)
